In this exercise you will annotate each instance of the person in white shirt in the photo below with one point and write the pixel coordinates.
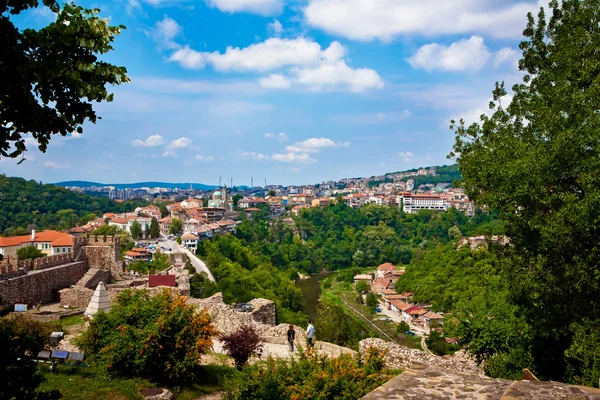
(310, 334)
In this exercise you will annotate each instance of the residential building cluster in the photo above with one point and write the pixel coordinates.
(418, 316)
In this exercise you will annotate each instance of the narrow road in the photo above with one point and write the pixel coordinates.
(424, 346)
(194, 260)
(198, 263)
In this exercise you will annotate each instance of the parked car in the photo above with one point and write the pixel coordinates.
(410, 333)
(377, 309)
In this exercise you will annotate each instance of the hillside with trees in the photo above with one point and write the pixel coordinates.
(30, 204)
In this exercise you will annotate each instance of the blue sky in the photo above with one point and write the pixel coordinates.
(294, 91)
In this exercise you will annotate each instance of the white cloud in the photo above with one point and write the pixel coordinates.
(164, 33)
(204, 159)
(275, 28)
(294, 158)
(339, 75)
(474, 114)
(465, 54)
(281, 136)
(180, 143)
(168, 153)
(387, 19)
(303, 61)
(132, 6)
(314, 145)
(272, 54)
(508, 56)
(151, 141)
(275, 81)
(168, 85)
(188, 58)
(260, 7)
(406, 156)
(254, 155)
(295, 169)
(54, 164)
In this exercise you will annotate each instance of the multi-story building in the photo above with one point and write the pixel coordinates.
(413, 203)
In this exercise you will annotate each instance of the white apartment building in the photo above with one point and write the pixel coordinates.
(413, 203)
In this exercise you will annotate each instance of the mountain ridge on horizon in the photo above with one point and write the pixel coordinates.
(137, 185)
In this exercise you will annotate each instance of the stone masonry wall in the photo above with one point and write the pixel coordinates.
(406, 358)
(104, 258)
(41, 286)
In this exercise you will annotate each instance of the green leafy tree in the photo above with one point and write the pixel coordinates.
(236, 199)
(371, 300)
(362, 286)
(163, 210)
(535, 160)
(21, 339)
(87, 218)
(154, 228)
(159, 337)
(272, 193)
(51, 76)
(176, 226)
(29, 253)
(136, 230)
(178, 240)
(402, 327)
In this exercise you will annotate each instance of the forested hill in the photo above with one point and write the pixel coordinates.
(137, 185)
(30, 204)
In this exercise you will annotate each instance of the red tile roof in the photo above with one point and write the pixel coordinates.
(162, 280)
(386, 267)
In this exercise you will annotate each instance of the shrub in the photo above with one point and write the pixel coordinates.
(243, 344)
(312, 376)
(29, 253)
(362, 286)
(371, 300)
(403, 327)
(20, 340)
(159, 337)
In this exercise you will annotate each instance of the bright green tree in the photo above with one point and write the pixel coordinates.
(236, 199)
(160, 337)
(362, 286)
(29, 253)
(176, 226)
(136, 230)
(51, 76)
(371, 300)
(536, 160)
(154, 228)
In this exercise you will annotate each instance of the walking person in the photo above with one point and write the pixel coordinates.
(291, 336)
(310, 334)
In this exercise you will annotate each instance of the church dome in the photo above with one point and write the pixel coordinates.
(217, 195)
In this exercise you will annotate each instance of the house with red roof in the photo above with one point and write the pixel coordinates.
(49, 242)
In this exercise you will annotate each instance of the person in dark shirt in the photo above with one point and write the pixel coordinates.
(291, 336)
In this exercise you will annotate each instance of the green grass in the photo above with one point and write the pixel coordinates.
(84, 383)
(71, 320)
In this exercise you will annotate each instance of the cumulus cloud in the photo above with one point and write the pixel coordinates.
(294, 158)
(508, 56)
(282, 136)
(180, 143)
(314, 145)
(55, 165)
(301, 61)
(466, 54)
(254, 155)
(387, 19)
(188, 58)
(204, 159)
(260, 7)
(164, 33)
(151, 141)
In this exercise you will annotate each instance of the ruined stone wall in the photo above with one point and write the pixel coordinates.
(77, 297)
(105, 258)
(406, 358)
(41, 286)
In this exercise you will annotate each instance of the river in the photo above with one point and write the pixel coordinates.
(311, 291)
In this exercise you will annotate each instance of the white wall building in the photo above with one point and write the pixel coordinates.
(413, 203)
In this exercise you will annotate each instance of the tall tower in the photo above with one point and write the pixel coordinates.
(225, 202)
